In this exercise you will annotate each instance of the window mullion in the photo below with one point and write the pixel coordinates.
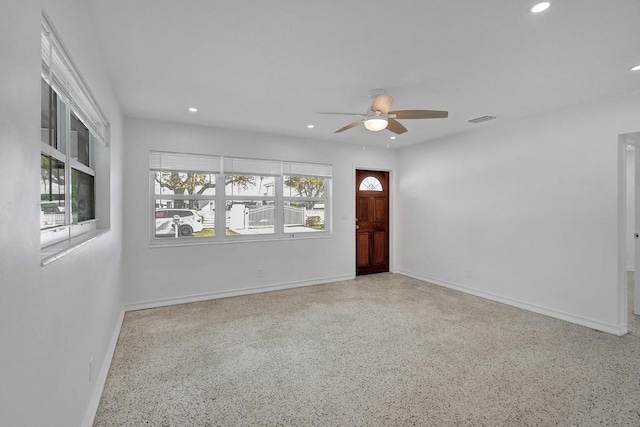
(221, 210)
(52, 152)
(328, 208)
(81, 167)
(154, 203)
(64, 143)
(279, 213)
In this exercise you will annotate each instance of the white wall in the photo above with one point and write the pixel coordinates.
(524, 212)
(53, 318)
(631, 185)
(154, 274)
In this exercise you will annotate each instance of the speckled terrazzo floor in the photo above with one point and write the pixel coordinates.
(379, 350)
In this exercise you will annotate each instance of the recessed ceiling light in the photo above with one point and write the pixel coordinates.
(310, 126)
(193, 109)
(392, 137)
(636, 68)
(540, 7)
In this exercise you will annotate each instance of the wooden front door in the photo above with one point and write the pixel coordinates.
(372, 222)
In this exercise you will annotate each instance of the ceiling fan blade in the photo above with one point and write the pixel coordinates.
(395, 126)
(420, 114)
(382, 103)
(343, 114)
(349, 126)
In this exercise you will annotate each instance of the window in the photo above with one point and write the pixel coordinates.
(305, 188)
(250, 195)
(256, 199)
(183, 195)
(72, 130)
(371, 183)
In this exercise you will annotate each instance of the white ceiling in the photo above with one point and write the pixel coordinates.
(267, 66)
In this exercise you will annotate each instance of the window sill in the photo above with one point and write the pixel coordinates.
(58, 250)
(198, 241)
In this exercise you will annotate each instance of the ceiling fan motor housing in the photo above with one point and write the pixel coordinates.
(382, 103)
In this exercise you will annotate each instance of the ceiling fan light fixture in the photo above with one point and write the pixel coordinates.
(376, 123)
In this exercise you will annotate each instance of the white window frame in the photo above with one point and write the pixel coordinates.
(168, 162)
(73, 97)
(264, 167)
(310, 170)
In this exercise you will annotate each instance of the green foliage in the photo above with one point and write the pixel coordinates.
(196, 183)
(306, 186)
(51, 172)
(313, 221)
(74, 190)
(185, 182)
(209, 232)
(243, 181)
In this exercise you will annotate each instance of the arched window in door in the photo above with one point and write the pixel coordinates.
(370, 183)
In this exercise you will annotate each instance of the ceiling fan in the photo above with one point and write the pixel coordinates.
(379, 117)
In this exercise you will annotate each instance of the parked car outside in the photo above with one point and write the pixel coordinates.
(51, 213)
(190, 222)
(54, 207)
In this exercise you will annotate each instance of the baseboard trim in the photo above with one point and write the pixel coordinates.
(101, 379)
(143, 305)
(618, 330)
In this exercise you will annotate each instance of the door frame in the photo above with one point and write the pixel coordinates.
(624, 140)
(392, 208)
